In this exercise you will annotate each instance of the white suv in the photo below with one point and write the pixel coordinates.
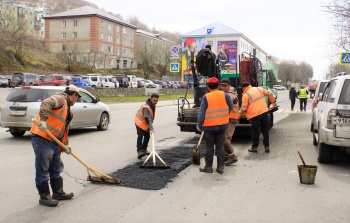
(332, 124)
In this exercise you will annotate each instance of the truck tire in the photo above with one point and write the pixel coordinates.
(17, 133)
(314, 141)
(270, 120)
(325, 152)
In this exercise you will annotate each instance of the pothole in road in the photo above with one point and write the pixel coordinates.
(178, 158)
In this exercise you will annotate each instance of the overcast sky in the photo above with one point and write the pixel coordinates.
(296, 30)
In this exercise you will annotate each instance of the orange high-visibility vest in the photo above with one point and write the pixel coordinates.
(234, 113)
(217, 112)
(253, 101)
(56, 124)
(140, 119)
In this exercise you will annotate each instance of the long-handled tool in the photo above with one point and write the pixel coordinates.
(100, 177)
(154, 154)
(196, 154)
(302, 160)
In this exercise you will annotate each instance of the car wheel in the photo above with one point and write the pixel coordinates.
(17, 133)
(312, 127)
(325, 152)
(104, 120)
(314, 141)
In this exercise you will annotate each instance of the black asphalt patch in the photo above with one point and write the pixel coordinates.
(178, 158)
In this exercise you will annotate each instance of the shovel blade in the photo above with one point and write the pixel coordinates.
(103, 180)
(196, 156)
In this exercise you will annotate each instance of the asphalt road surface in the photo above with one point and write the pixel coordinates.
(260, 187)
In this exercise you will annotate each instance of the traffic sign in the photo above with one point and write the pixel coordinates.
(174, 67)
(175, 49)
(345, 58)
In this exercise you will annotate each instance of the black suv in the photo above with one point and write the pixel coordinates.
(23, 79)
(123, 81)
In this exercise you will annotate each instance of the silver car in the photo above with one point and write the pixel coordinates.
(23, 104)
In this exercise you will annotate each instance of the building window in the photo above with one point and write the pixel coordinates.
(131, 42)
(109, 26)
(117, 29)
(131, 53)
(125, 62)
(75, 23)
(125, 31)
(84, 60)
(110, 62)
(110, 39)
(75, 35)
(117, 39)
(64, 35)
(64, 23)
(101, 35)
(117, 51)
(101, 24)
(132, 32)
(64, 47)
(125, 52)
(101, 48)
(124, 41)
(109, 49)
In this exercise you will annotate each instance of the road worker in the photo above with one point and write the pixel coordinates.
(256, 111)
(54, 116)
(213, 119)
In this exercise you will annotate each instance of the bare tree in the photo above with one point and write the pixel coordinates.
(296, 73)
(146, 55)
(335, 68)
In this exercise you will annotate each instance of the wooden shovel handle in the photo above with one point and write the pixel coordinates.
(301, 158)
(200, 139)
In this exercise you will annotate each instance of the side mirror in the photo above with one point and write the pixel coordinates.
(319, 96)
(97, 100)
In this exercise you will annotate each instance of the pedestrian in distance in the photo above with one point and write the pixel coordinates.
(213, 119)
(230, 156)
(303, 95)
(256, 111)
(292, 96)
(54, 116)
(144, 118)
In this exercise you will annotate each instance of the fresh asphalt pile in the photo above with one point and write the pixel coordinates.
(178, 158)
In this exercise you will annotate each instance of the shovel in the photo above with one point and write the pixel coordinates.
(99, 176)
(196, 154)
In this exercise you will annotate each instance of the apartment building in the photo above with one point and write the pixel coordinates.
(93, 37)
(24, 16)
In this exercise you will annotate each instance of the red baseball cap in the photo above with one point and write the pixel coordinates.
(213, 80)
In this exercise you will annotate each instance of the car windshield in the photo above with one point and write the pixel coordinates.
(345, 93)
(30, 95)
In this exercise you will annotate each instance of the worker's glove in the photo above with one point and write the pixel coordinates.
(274, 104)
(42, 126)
(151, 131)
(199, 130)
(68, 151)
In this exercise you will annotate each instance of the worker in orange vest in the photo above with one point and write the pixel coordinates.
(144, 124)
(213, 119)
(256, 111)
(230, 156)
(54, 116)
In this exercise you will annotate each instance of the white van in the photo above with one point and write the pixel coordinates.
(132, 81)
(95, 81)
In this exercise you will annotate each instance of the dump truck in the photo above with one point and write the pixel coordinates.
(250, 70)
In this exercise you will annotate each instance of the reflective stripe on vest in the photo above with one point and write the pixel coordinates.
(56, 123)
(217, 112)
(234, 113)
(302, 93)
(257, 102)
(140, 119)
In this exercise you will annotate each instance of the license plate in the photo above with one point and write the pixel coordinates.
(17, 113)
(339, 121)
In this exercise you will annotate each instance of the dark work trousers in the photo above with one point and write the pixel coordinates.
(142, 138)
(260, 122)
(292, 103)
(303, 101)
(214, 138)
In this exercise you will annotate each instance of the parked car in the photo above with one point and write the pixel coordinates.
(183, 84)
(141, 84)
(94, 81)
(169, 84)
(68, 79)
(176, 84)
(132, 81)
(279, 87)
(108, 82)
(23, 104)
(3, 81)
(150, 84)
(79, 82)
(318, 92)
(333, 118)
(23, 79)
(51, 80)
(123, 81)
(161, 83)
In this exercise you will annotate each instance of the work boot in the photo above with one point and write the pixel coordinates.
(140, 154)
(253, 149)
(267, 149)
(220, 164)
(231, 158)
(57, 190)
(208, 168)
(45, 198)
(146, 152)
